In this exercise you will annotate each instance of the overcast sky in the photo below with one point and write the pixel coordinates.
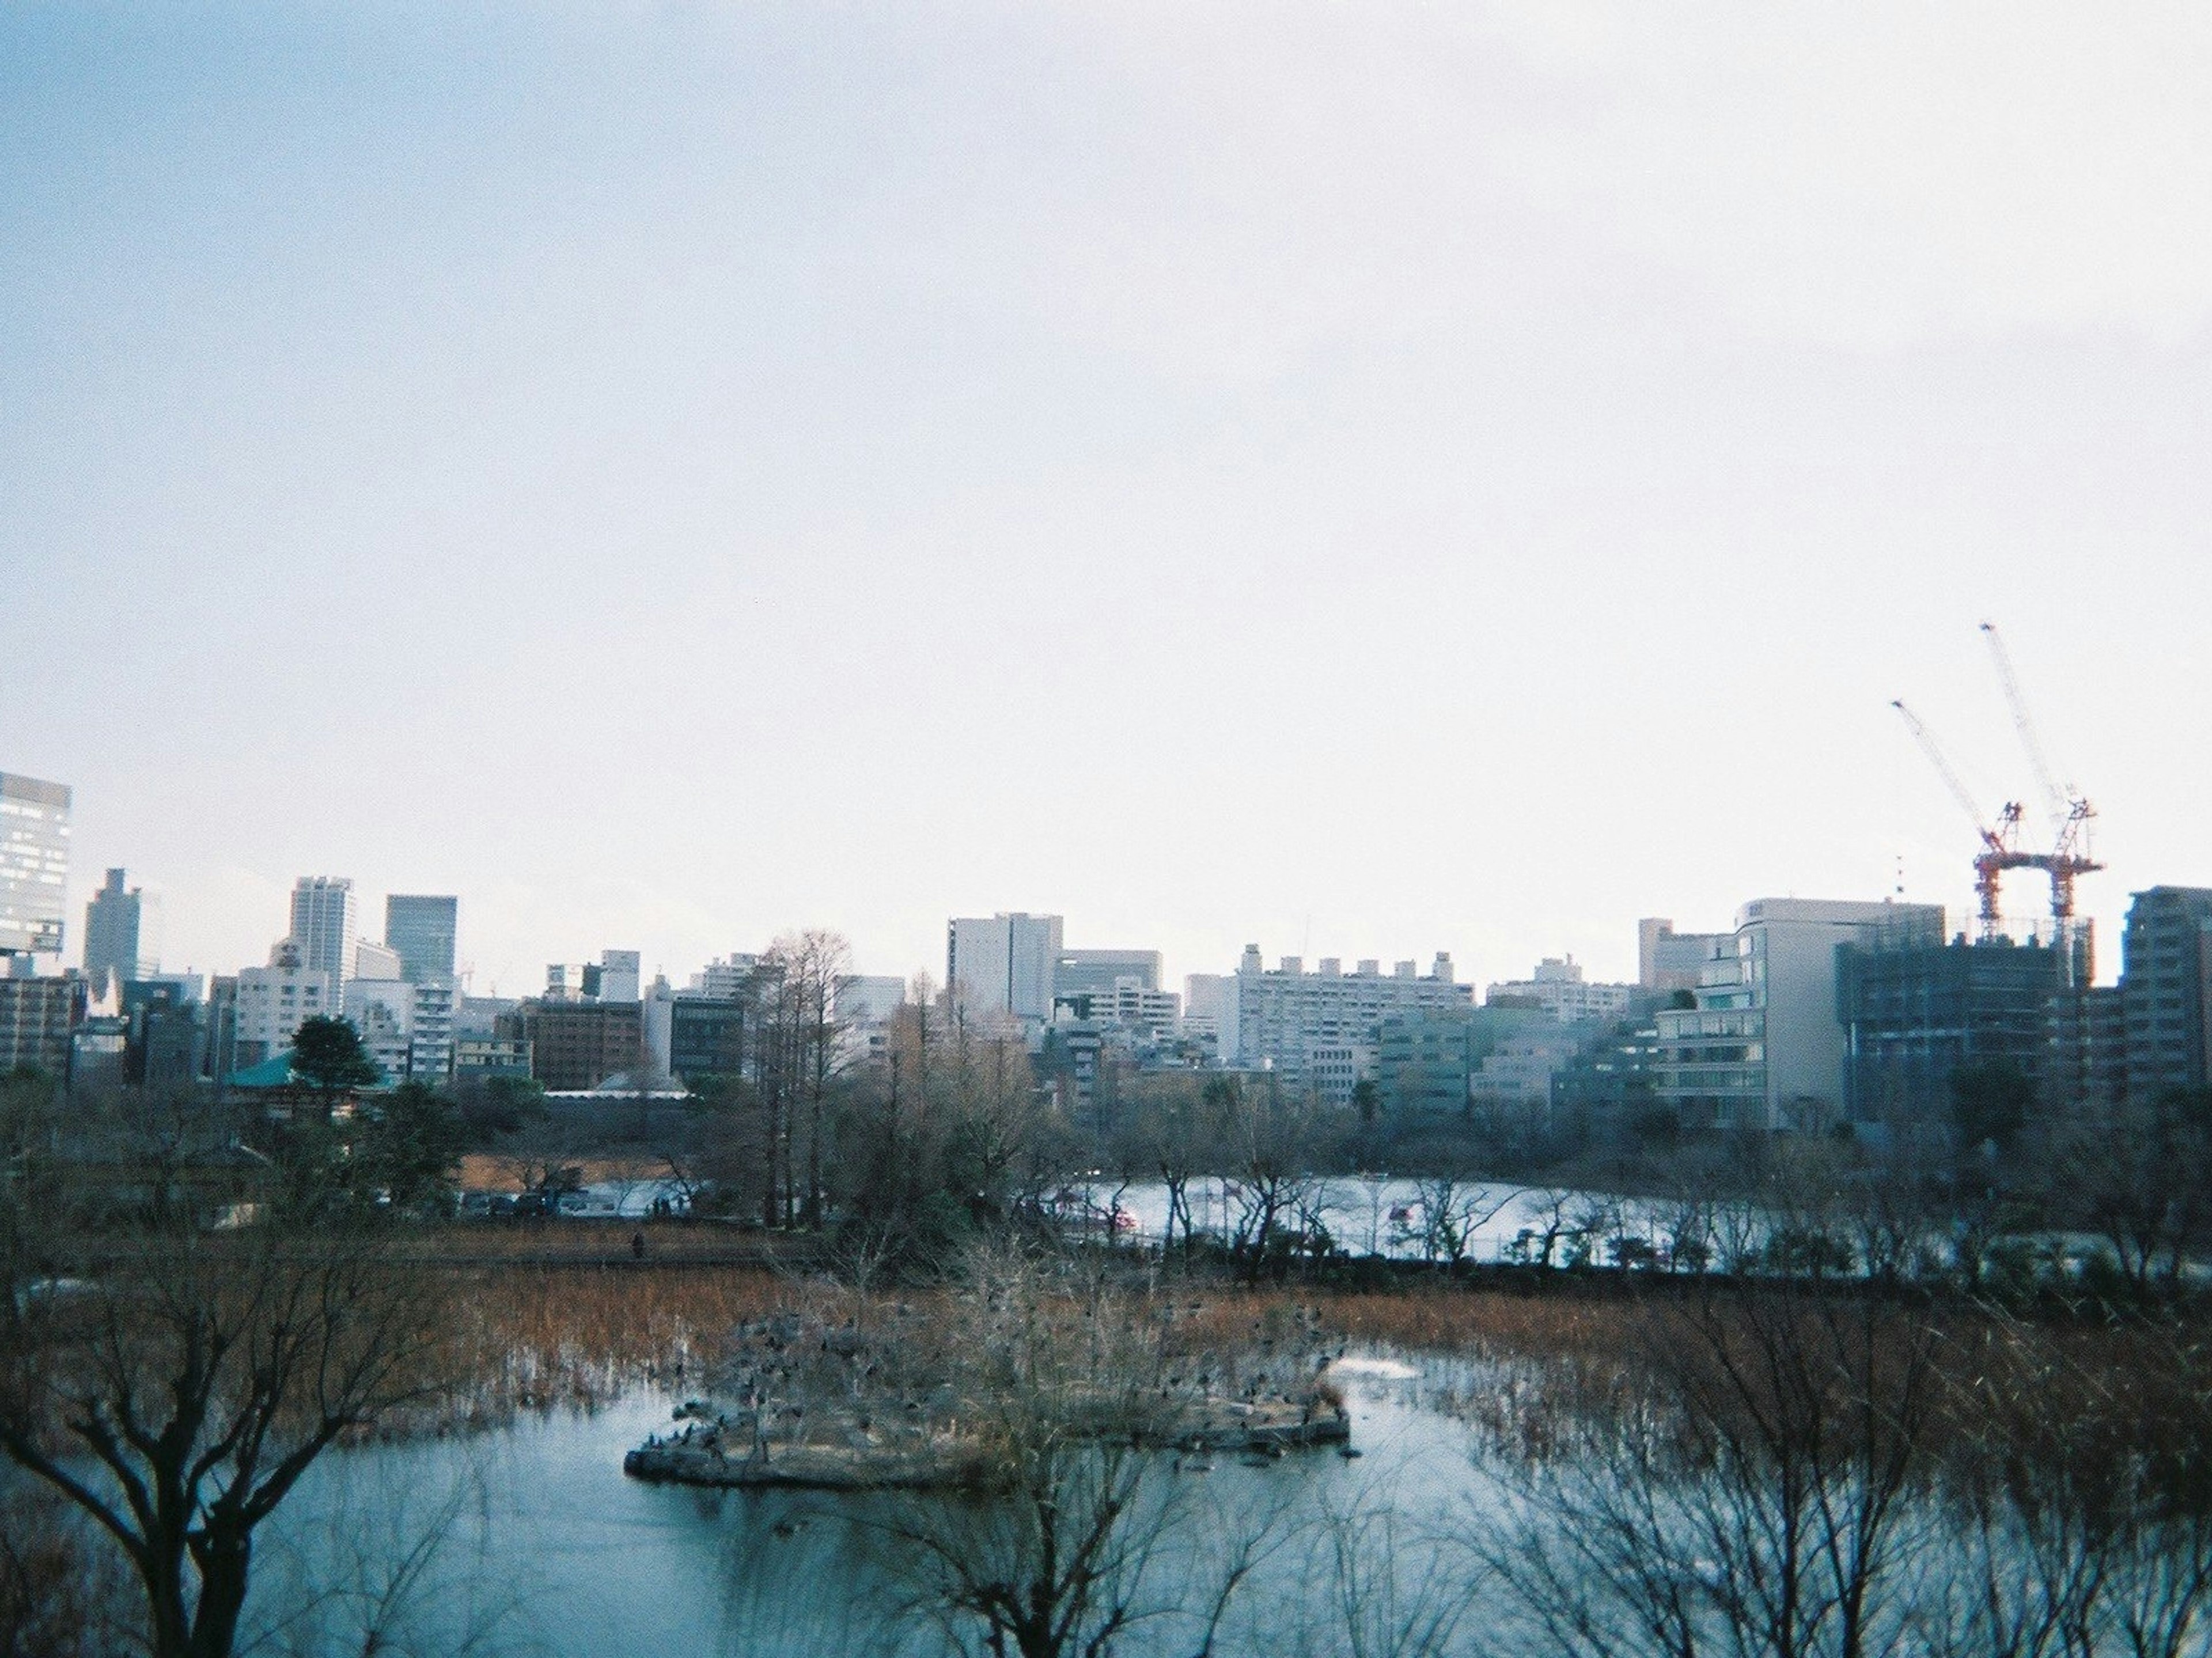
(1365, 479)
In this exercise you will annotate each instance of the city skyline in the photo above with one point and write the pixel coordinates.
(1358, 480)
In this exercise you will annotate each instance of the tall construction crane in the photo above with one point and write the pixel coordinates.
(2001, 850)
(2069, 810)
(2000, 835)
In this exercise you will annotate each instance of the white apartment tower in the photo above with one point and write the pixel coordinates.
(326, 927)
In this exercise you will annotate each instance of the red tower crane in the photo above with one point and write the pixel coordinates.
(2000, 837)
(2069, 810)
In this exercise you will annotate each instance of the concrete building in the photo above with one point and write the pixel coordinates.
(1089, 972)
(1423, 1059)
(1284, 1013)
(1668, 961)
(621, 975)
(374, 961)
(1209, 1012)
(39, 1017)
(326, 927)
(2166, 989)
(121, 934)
(1557, 987)
(724, 977)
(276, 1000)
(169, 1029)
(707, 1036)
(1764, 1047)
(576, 1045)
(1512, 1082)
(421, 927)
(382, 1010)
(1004, 965)
(1154, 1014)
(34, 837)
(477, 1060)
(408, 1027)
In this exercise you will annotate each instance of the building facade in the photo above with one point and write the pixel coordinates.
(121, 934)
(1284, 1014)
(1003, 965)
(276, 1000)
(1558, 987)
(1915, 1010)
(421, 927)
(326, 927)
(576, 1045)
(1088, 972)
(39, 1018)
(2166, 989)
(1763, 1049)
(1668, 961)
(34, 838)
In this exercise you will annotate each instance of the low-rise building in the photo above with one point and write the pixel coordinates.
(1558, 987)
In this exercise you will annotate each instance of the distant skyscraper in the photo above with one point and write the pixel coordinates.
(326, 927)
(33, 864)
(1005, 964)
(121, 934)
(420, 927)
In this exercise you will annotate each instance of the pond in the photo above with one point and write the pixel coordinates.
(529, 1539)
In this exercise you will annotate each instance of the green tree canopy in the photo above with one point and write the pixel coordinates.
(327, 1055)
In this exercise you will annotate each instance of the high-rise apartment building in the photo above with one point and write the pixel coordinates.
(34, 834)
(326, 927)
(121, 934)
(2165, 990)
(1003, 965)
(1287, 1016)
(421, 926)
(620, 974)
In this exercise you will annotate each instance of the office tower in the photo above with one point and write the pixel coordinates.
(374, 961)
(34, 831)
(326, 927)
(121, 934)
(420, 927)
(1005, 964)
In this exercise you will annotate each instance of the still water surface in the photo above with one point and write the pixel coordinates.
(529, 1539)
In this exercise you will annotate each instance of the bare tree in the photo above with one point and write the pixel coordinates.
(177, 1399)
(1756, 1491)
(1078, 1538)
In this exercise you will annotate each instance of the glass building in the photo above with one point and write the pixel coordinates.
(34, 831)
(420, 927)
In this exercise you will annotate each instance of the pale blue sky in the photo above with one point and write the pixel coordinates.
(1365, 479)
